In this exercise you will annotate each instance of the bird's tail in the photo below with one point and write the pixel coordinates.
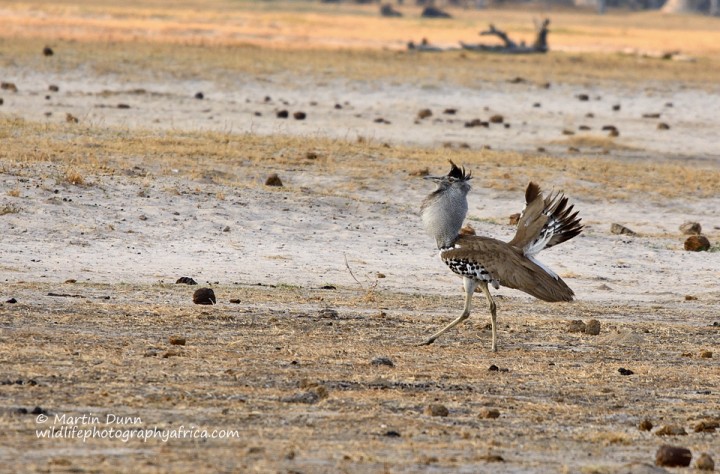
(545, 222)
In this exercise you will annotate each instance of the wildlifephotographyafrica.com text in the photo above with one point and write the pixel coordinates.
(123, 428)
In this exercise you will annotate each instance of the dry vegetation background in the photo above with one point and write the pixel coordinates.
(292, 362)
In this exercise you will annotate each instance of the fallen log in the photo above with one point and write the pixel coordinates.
(540, 45)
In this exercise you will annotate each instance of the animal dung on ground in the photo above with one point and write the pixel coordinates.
(489, 413)
(328, 313)
(450, 111)
(185, 281)
(273, 180)
(576, 326)
(616, 107)
(8, 86)
(707, 426)
(497, 118)
(282, 114)
(47, 51)
(583, 97)
(673, 456)
(177, 340)
(199, 95)
(645, 425)
(691, 228)
(697, 243)
(204, 296)
(436, 409)
(663, 126)
(592, 327)
(299, 115)
(651, 116)
(424, 113)
(53, 88)
(624, 371)
(70, 118)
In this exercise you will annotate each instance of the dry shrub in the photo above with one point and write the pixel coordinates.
(74, 177)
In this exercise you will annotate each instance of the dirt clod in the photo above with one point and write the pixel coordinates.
(691, 228)
(436, 409)
(48, 51)
(299, 115)
(177, 340)
(624, 371)
(673, 456)
(706, 355)
(283, 114)
(204, 296)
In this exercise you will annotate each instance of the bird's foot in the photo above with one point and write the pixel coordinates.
(426, 343)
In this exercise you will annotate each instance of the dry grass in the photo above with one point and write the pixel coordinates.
(561, 398)
(218, 157)
(227, 38)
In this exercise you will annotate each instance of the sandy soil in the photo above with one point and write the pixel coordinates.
(288, 363)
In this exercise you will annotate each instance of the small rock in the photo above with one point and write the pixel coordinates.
(690, 228)
(651, 116)
(424, 113)
(576, 326)
(436, 409)
(47, 51)
(673, 456)
(185, 281)
(706, 355)
(273, 180)
(592, 327)
(620, 229)
(123, 106)
(235, 301)
(663, 126)
(624, 371)
(205, 296)
(697, 243)
(299, 115)
(490, 413)
(8, 86)
(450, 111)
(583, 97)
(199, 95)
(614, 133)
(616, 107)
(11, 301)
(497, 118)
(514, 219)
(671, 430)
(282, 114)
(392, 434)
(177, 340)
(690, 298)
(645, 425)
(705, 463)
(53, 88)
(382, 361)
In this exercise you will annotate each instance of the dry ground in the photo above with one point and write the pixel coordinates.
(98, 219)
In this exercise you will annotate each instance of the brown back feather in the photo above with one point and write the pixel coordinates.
(510, 267)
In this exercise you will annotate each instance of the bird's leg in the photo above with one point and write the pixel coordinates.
(493, 316)
(470, 285)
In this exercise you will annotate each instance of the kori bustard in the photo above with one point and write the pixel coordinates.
(483, 261)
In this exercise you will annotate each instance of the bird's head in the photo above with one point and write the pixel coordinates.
(457, 177)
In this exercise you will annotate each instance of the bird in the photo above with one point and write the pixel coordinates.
(483, 261)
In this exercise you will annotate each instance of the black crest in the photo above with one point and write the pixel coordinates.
(459, 173)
